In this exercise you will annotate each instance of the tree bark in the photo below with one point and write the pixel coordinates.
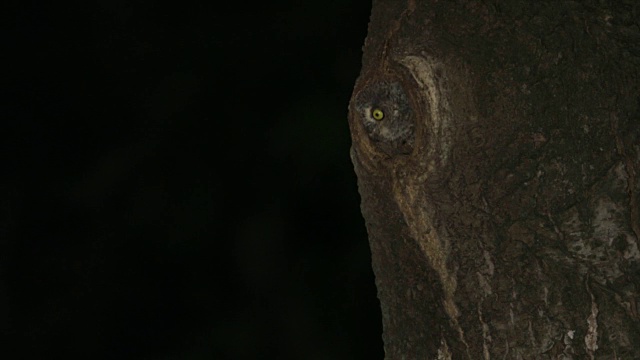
(497, 151)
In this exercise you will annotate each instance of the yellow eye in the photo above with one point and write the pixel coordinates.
(377, 114)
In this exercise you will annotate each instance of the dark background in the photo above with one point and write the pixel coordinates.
(176, 182)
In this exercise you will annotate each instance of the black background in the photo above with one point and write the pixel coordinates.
(177, 182)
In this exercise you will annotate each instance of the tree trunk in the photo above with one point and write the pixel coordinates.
(498, 160)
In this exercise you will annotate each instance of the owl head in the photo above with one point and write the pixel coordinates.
(387, 117)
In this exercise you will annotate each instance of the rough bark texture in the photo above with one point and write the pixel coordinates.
(502, 203)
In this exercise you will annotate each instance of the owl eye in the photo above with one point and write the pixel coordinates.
(377, 114)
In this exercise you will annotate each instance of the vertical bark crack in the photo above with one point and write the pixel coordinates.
(628, 161)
